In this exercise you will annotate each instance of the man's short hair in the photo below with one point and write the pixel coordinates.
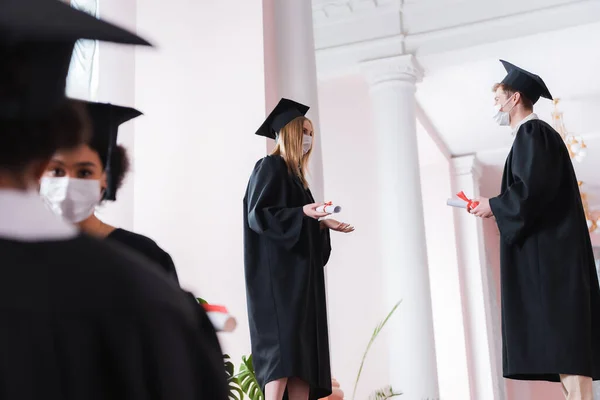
(527, 103)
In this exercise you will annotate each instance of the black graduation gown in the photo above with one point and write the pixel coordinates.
(160, 258)
(101, 324)
(146, 246)
(550, 293)
(284, 254)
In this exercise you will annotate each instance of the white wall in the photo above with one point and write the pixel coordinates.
(202, 91)
(355, 286)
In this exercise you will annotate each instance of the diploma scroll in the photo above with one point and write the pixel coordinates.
(221, 321)
(329, 208)
(462, 202)
(458, 203)
(220, 318)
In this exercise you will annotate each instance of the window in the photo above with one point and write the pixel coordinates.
(82, 81)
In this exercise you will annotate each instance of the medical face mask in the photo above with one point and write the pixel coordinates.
(306, 143)
(502, 118)
(73, 199)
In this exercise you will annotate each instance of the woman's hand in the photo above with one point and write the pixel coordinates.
(310, 210)
(337, 226)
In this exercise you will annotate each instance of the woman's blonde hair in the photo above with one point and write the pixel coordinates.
(289, 146)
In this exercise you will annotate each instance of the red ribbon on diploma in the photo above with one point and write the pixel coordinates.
(215, 308)
(470, 203)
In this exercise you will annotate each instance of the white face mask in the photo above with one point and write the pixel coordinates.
(72, 199)
(502, 118)
(306, 143)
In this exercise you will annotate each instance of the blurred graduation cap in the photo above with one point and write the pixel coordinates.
(106, 119)
(531, 85)
(283, 113)
(36, 42)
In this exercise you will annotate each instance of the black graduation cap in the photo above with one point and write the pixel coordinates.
(283, 113)
(106, 119)
(531, 85)
(36, 43)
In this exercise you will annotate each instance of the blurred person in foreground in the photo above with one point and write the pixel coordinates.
(81, 318)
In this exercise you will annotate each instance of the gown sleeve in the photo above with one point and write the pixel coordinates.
(268, 211)
(325, 245)
(536, 170)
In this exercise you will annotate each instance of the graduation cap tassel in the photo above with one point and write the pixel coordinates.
(109, 194)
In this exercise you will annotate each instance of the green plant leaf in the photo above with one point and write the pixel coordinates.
(235, 393)
(384, 393)
(229, 368)
(247, 380)
(373, 337)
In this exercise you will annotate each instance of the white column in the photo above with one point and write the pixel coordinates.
(480, 311)
(403, 245)
(290, 68)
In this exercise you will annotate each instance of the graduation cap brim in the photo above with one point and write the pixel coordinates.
(36, 44)
(106, 119)
(284, 112)
(33, 79)
(53, 20)
(531, 85)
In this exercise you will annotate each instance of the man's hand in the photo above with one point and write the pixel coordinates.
(483, 209)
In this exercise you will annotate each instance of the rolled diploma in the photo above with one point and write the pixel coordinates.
(456, 203)
(332, 209)
(221, 321)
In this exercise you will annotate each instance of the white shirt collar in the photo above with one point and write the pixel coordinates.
(24, 217)
(530, 117)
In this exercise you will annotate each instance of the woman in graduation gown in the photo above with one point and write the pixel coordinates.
(78, 179)
(81, 318)
(286, 249)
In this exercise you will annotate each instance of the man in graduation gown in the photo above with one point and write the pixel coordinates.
(80, 318)
(550, 293)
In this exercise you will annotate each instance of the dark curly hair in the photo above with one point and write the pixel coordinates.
(119, 165)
